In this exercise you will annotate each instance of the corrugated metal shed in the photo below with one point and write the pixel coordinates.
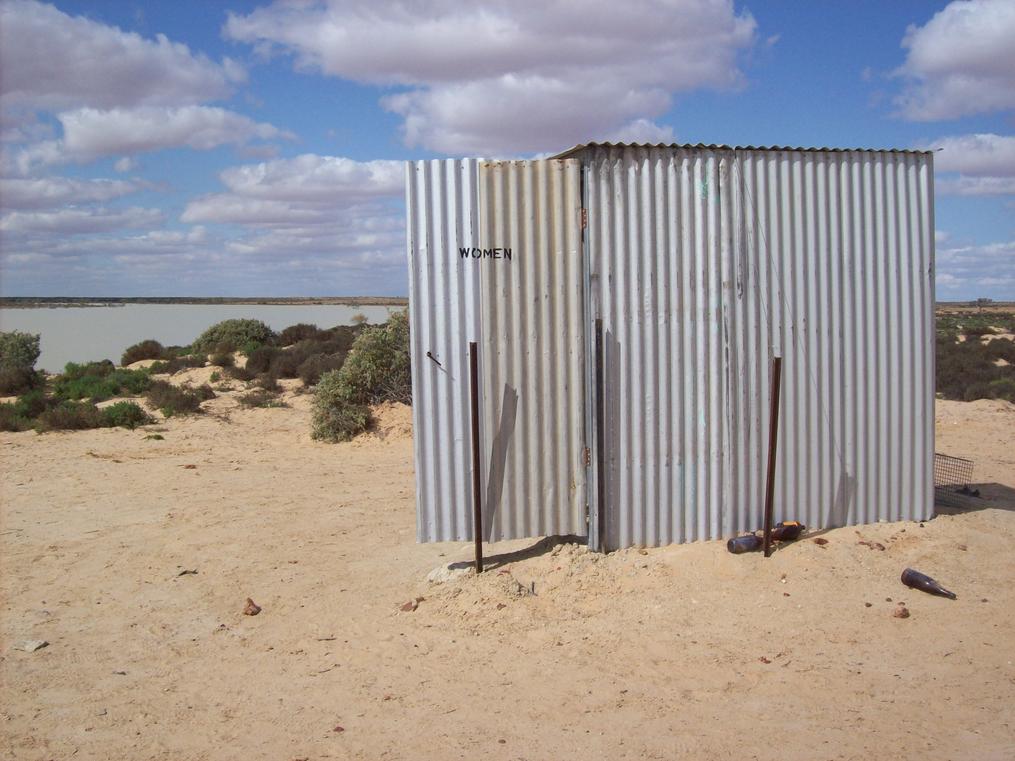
(702, 263)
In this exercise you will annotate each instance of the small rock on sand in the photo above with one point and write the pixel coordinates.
(31, 645)
(445, 573)
(901, 612)
(251, 608)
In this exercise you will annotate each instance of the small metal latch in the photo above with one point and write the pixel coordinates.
(585, 218)
(587, 457)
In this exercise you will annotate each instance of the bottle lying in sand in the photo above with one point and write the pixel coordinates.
(925, 583)
(787, 531)
(741, 544)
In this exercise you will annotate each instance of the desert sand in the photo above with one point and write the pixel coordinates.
(133, 558)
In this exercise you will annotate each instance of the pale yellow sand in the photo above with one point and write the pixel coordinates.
(683, 652)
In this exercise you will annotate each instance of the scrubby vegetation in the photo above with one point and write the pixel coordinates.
(18, 355)
(149, 349)
(173, 400)
(35, 410)
(261, 398)
(376, 369)
(973, 368)
(232, 335)
(98, 381)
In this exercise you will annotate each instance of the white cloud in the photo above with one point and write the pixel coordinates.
(961, 62)
(977, 270)
(984, 155)
(49, 192)
(506, 77)
(52, 61)
(72, 221)
(975, 186)
(643, 131)
(985, 164)
(90, 133)
(297, 191)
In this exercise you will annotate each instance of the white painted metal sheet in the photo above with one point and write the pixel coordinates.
(443, 294)
(532, 353)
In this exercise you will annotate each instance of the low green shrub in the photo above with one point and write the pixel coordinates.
(175, 364)
(334, 417)
(149, 349)
(239, 373)
(99, 381)
(311, 369)
(18, 351)
(267, 382)
(221, 359)
(125, 415)
(20, 415)
(235, 334)
(376, 369)
(260, 359)
(70, 416)
(174, 400)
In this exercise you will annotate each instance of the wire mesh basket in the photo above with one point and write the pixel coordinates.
(952, 471)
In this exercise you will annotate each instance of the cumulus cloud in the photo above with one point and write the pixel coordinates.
(965, 272)
(73, 221)
(984, 163)
(507, 77)
(961, 62)
(52, 61)
(49, 192)
(296, 191)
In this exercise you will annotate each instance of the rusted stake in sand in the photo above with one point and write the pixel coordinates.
(773, 441)
(600, 449)
(477, 504)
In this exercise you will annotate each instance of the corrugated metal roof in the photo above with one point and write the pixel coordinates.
(571, 152)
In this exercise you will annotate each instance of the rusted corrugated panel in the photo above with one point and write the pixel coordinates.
(834, 270)
(443, 296)
(706, 261)
(532, 358)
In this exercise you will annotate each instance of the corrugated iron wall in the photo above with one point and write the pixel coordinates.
(658, 273)
(834, 269)
(443, 294)
(532, 349)
(705, 262)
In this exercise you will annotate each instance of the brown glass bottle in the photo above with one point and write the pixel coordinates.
(787, 531)
(925, 583)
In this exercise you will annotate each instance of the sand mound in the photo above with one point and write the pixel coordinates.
(392, 422)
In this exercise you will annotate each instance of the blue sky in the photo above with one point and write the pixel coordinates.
(251, 148)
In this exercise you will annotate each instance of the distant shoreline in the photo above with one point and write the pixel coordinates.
(65, 302)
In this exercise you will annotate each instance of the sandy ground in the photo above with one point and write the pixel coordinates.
(681, 652)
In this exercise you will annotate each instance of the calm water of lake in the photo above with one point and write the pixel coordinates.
(84, 334)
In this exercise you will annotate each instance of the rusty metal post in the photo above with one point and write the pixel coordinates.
(773, 442)
(600, 438)
(477, 503)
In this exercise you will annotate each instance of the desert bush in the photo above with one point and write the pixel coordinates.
(175, 364)
(20, 415)
(235, 334)
(125, 415)
(967, 371)
(261, 398)
(11, 420)
(149, 349)
(17, 380)
(267, 382)
(239, 373)
(69, 416)
(260, 359)
(18, 351)
(296, 333)
(377, 368)
(98, 381)
(221, 359)
(334, 417)
(173, 400)
(311, 369)
(978, 331)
